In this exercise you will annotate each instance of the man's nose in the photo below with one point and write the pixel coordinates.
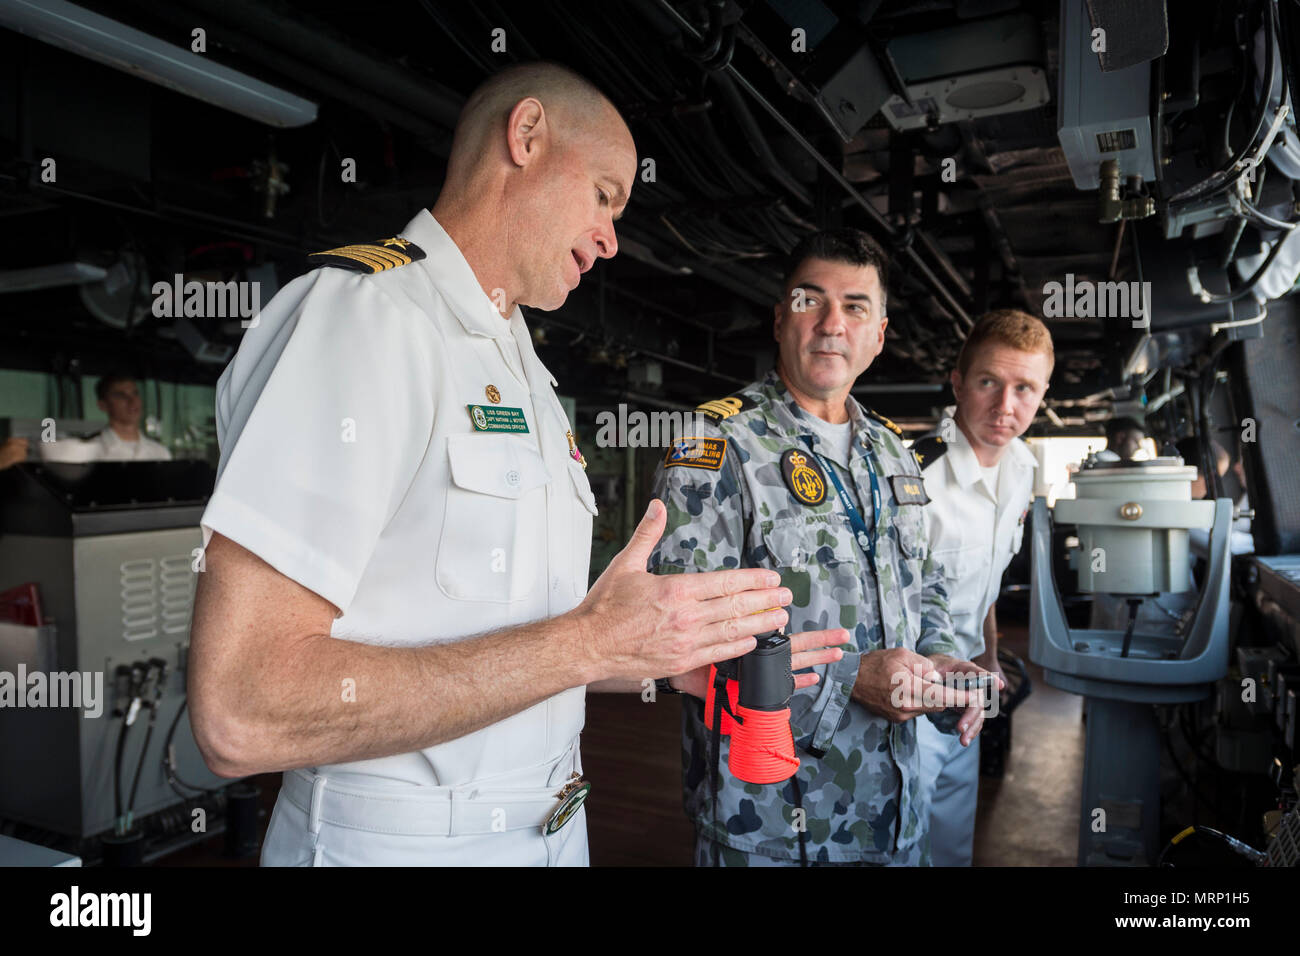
(1007, 400)
(606, 242)
(831, 320)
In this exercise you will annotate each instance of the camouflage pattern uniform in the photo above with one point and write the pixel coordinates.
(861, 795)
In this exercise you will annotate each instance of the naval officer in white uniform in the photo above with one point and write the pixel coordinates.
(980, 477)
(393, 608)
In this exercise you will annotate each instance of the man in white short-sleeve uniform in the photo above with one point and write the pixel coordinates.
(980, 479)
(392, 607)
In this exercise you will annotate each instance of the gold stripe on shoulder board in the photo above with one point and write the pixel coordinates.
(722, 407)
(374, 256)
(370, 255)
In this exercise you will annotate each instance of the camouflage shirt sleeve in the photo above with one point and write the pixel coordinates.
(707, 511)
(936, 623)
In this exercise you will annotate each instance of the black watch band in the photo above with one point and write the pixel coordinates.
(663, 686)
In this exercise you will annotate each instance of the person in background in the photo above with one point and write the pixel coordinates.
(121, 439)
(1124, 437)
(12, 451)
(1189, 449)
(792, 473)
(980, 476)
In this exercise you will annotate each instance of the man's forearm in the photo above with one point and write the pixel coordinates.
(615, 686)
(327, 700)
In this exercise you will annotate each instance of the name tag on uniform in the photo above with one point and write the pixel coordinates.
(697, 453)
(909, 490)
(497, 418)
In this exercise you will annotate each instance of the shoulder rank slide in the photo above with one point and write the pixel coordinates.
(721, 408)
(928, 450)
(697, 453)
(370, 257)
(885, 421)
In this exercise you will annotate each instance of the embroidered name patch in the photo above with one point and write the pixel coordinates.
(909, 490)
(697, 453)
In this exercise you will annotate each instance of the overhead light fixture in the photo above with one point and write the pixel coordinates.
(132, 51)
(977, 68)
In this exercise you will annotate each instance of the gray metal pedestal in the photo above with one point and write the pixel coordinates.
(1119, 816)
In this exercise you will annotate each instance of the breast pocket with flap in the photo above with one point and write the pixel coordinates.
(493, 544)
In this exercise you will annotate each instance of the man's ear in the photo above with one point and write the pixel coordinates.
(954, 379)
(525, 129)
(102, 405)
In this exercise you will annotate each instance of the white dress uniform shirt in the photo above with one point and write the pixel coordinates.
(113, 447)
(106, 445)
(349, 463)
(976, 525)
(975, 530)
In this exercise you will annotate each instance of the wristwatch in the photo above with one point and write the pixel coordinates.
(663, 686)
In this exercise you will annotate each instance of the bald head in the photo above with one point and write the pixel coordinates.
(574, 108)
(541, 167)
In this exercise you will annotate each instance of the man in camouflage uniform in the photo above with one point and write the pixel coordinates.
(740, 494)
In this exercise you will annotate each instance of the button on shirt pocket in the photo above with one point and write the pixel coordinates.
(493, 544)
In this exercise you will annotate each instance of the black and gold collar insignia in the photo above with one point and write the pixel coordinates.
(370, 257)
(928, 450)
(803, 476)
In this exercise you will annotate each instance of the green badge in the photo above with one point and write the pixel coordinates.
(497, 418)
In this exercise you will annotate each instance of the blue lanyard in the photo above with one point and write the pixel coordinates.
(865, 536)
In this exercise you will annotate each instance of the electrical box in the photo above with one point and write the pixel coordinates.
(1101, 116)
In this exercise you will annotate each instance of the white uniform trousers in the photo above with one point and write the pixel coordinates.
(950, 777)
(497, 821)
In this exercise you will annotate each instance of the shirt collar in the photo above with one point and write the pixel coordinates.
(794, 420)
(524, 339)
(455, 281)
(965, 466)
